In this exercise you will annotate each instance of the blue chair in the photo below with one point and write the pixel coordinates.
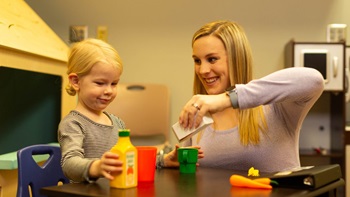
(35, 176)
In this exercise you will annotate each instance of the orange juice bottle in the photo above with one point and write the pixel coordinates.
(128, 154)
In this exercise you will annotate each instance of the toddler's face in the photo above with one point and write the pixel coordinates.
(99, 88)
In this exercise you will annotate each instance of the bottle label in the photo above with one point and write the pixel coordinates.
(130, 168)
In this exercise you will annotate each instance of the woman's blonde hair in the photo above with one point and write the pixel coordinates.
(85, 54)
(240, 63)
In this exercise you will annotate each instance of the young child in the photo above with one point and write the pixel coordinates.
(87, 133)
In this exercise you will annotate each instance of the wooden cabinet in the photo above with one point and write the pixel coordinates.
(323, 137)
(334, 151)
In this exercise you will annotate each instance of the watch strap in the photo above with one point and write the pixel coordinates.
(232, 93)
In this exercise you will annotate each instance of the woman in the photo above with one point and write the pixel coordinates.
(256, 122)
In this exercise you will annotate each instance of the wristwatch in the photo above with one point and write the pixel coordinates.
(232, 93)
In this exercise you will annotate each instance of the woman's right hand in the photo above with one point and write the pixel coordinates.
(170, 159)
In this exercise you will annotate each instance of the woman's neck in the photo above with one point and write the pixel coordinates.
(226, 119)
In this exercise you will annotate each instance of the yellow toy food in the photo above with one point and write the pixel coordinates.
(253, 172)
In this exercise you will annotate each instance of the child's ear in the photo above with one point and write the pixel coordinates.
(74, 80)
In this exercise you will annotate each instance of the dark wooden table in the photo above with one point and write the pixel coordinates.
(169, 182)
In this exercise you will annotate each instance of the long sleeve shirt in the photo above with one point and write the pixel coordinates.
(83, 141)
(287, 96)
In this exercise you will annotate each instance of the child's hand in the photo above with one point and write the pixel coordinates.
(108, 164)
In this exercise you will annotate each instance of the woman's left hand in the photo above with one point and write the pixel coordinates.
(171, 160)
(193, 112)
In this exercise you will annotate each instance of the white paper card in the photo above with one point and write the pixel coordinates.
(183, 134)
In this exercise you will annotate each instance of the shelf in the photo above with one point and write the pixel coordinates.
(312, 153)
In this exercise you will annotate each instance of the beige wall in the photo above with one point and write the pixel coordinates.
(153, 37)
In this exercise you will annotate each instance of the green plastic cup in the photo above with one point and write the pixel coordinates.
(187, 158)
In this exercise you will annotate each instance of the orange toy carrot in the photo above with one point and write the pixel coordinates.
(266, 181)
(241, 181)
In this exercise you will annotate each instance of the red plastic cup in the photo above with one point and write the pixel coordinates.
(146, 162)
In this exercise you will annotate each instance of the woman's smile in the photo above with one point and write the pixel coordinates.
(211, 80)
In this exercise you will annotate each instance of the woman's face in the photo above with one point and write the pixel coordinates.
(211, 66)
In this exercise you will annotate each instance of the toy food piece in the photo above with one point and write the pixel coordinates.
(241, 181)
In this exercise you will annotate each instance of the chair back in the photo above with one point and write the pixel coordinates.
(35, 176)
(145, 110)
